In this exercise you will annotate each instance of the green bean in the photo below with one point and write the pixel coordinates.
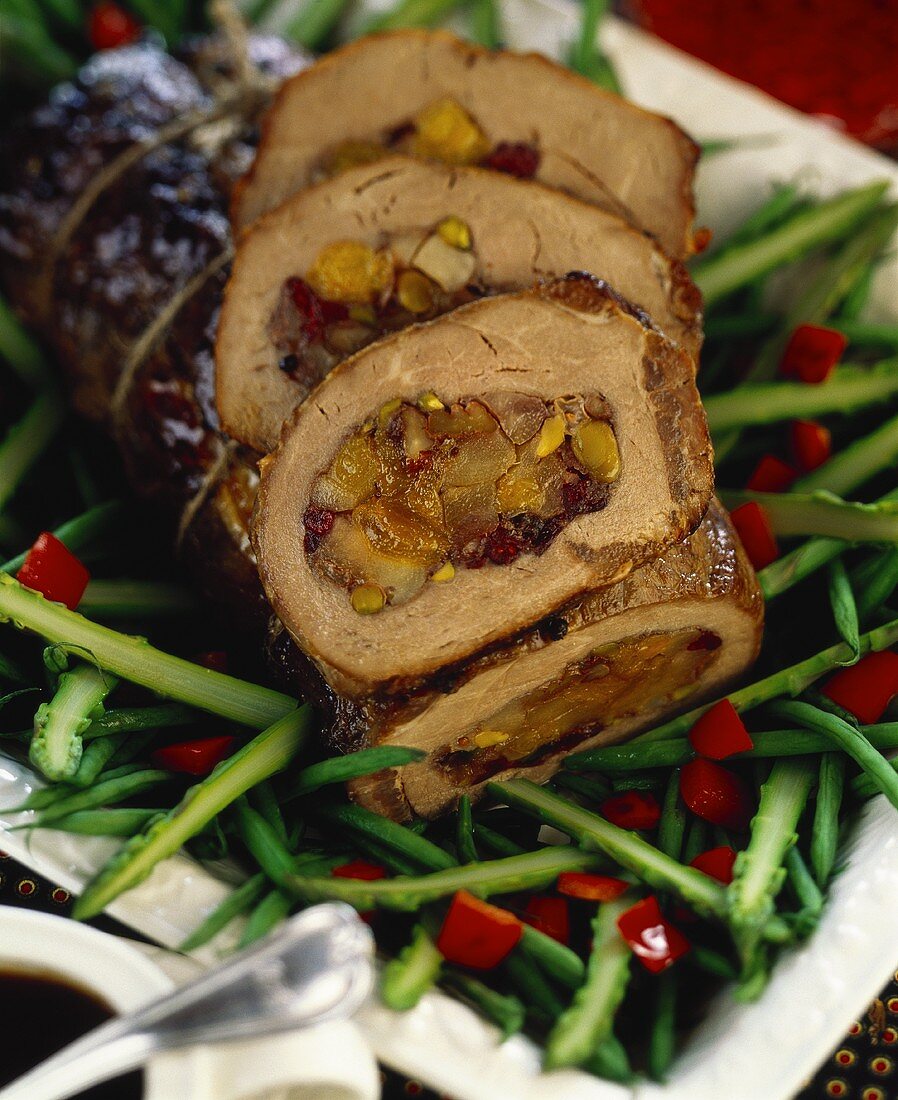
(783, 202)
(268, 753)
(268, 914)
(118, 822)
(105, 599)
(739, 324)
(358, 821)
(856, 463)
(735, 267)
(802, 881)
(340, 769)
(637, 781)
(504, 1010)
(556, 959)
(629, 849)
(865, 332)
(532, 871)
(467, 849)
(19, 348)
(414, 971)
(857, 298)
(385, 857)
(497, 843)
(77, 534)
(311, 26)
(105, 793)
(825, 831)
(758, 872)
(787, 681)
(849, 389)
(712, 962)
(594, 790)
(238, 901)
(535, 992)
(863, 787)
(134, 719)
(128, 748)
(263, 799)
(590, 1018)
(696, 840)
(136, 660)
(94, 759)
(263, 842)
(873, 589)
(610, 1061)
(27, 440)
(662, 1038)
(412, 13)
(822, 513)
(848, 738)
(845, 614)
(770, 743)
(824, 290)
(672, 826)
(486, 26)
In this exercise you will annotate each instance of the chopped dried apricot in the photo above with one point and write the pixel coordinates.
(445, 131)
(414, 292)
(350, 271)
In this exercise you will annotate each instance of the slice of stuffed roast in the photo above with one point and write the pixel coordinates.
(382, 246)
(612, 662)
(436, 97)
(450, 487)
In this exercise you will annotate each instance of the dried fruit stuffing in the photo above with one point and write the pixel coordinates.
(442, 131)
(354, 293)
(589, 695)
(424, 487)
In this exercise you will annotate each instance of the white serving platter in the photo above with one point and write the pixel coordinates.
(764, 1051)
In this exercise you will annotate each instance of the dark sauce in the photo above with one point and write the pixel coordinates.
(43, 1013)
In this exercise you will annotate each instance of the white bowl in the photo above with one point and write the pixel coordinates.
(110, 968)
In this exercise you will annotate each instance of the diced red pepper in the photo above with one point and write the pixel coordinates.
(309, 307)
(632, 810)
(811, 443)
(580, 884)
(812, 353)
(51, 568)
(477, 934)
(110, 26)
(359, 869)
(716, 862)
(755, 533)
(771, 475)
(716, 794)
(214, 659)
(866, 688)
(720, 732)
(550, 915)
(652, 939)
(193, 757)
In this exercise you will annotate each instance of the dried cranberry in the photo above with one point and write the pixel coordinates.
(515, 159)
(318, 523)
(706, 640)
(584, 495)
(308, 305)
(501, 547)
(333, 311)
(289, 363)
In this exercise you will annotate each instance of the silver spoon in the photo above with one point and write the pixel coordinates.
(318, 966)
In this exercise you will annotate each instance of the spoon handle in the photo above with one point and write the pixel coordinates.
(316, 967)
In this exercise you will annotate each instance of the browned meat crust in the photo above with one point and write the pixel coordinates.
(126, 290)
